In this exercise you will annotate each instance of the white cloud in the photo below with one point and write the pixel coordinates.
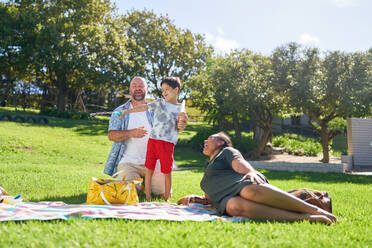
(220, 31)
(220, 43)
(343, 3)
(309, 40)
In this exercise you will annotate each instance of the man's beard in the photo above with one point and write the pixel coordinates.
(139, 97)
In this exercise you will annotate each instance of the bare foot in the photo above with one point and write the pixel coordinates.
(320, 219)
(327, 214)
(166, 198)
(148, 198)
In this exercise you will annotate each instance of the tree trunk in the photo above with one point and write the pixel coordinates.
(238, 133)
(325, 142)
(62, 93)
(258, 134)
(263, 142)
(44, 98)
(61, 100)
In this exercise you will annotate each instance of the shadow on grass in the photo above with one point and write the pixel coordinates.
(317, 177)
(73, 199)
(81, 198)
(83, 127)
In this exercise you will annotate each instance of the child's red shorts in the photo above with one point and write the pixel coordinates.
(159, 149)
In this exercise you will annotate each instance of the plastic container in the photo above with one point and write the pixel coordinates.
(7, 199)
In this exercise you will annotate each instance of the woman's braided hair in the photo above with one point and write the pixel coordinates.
(226, 140)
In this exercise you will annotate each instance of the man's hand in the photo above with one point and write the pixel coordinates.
(139, 132)
(182, 121)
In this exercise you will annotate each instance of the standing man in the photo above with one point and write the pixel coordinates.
(130, 135)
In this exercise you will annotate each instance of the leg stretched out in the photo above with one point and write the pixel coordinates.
(238, 206)
(274, 197)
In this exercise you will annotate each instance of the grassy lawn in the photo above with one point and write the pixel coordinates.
(55, 162)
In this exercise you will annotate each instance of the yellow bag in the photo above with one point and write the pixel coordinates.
(111, 191)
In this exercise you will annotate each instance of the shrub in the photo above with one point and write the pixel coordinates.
(245, 144)
(198, 139)
(297, 144)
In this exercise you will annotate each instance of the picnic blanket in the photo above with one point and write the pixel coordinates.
(142, 211)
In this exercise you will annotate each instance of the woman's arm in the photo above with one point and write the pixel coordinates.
(241, 166)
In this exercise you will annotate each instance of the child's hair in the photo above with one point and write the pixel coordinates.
(173, 82)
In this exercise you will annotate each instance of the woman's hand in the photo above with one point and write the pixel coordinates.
(194, 199)
(186, 200)
(253, 177)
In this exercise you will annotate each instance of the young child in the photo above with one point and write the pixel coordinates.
(164, 134)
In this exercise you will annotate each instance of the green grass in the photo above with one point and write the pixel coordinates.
(55, 163)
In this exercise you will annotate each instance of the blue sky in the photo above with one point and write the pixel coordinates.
(263, 25)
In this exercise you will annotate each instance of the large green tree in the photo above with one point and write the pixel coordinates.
(324, 87)
(238, 87)
(159, 49)
(13, 49)
(78, 44)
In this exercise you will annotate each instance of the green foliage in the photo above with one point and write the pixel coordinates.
(297, 144)
(159, 49)
(76, 115)
(67, 46)
(237, 87)
(245, 144)
(336, 85)
(337, 125)
(197, 141)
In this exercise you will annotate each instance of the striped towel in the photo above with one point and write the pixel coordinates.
(142, 211)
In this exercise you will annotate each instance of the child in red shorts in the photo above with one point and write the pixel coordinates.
(164, 134)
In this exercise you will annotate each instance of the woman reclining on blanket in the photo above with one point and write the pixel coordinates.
(235, 188)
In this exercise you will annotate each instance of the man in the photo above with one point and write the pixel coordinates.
(130, 135)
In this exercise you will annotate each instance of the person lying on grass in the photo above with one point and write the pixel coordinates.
(234, 188)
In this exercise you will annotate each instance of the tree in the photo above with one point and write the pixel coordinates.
(237, 87)
(324, 88)
(12, 53)
(219, 89)
(159, 49)
(77, 44)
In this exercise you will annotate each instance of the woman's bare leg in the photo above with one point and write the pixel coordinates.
(148, 181)
(237, 206)
(272, 196)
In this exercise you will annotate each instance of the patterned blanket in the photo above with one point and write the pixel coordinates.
(142, 211)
